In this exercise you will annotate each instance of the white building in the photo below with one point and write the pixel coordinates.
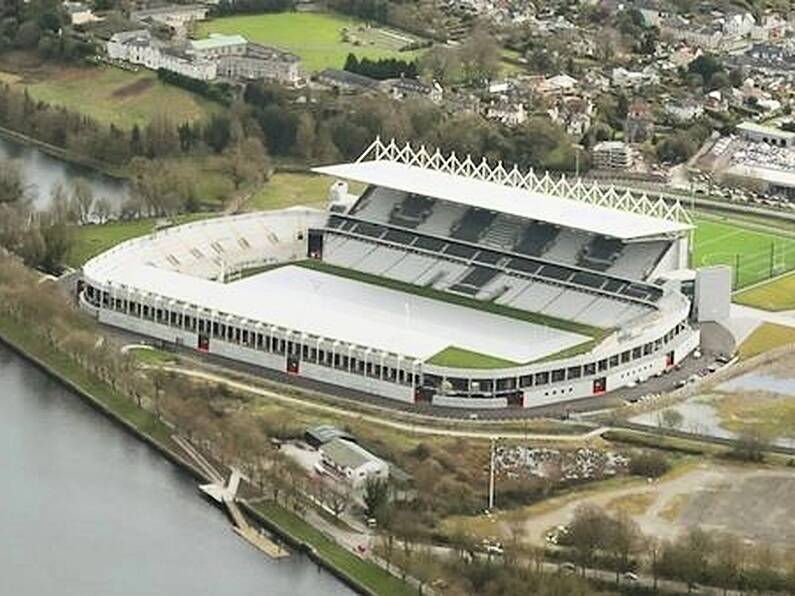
(612, 155)
(352, 462)
(139, 47)
(79, 13)
(257, 63)
(172, 15)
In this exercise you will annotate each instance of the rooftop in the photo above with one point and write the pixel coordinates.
(347, 455)
(767, 130)
(217, 40)
(520, 202)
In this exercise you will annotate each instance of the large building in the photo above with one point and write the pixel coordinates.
(445, 282)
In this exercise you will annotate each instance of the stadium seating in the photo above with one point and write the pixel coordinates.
(567, 246)
(411, 212)
(536, 238)
(503, 232)
(472, 225)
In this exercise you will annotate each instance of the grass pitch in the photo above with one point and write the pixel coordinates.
(460, 358)
(316, 37)
(766, 337)
(287, 189)
(754, 251)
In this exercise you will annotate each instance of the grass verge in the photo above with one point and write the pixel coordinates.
(370, 577)
(764, 338)
(775, 295)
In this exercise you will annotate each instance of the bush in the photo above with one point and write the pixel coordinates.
(649, 464)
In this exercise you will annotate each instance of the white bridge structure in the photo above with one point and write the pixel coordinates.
(446, 282)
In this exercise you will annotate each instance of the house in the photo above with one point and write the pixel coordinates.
(352, 463)
(318, 436)
(176, 16)
(346, 82)
(261, 63)
(557, 85)
(684, 111)
(612, 155)
(507, 112)
(639, 125)
(79, 13)
(652, 12)
(405, 88)
(621, 77)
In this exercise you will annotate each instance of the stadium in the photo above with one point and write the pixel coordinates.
(445, 282)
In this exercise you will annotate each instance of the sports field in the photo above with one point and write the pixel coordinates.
(756, 252)
(112, 95)
(318, 38)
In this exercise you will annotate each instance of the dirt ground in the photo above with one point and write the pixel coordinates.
(753, 504)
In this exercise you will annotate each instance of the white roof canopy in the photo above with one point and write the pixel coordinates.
(568, 213)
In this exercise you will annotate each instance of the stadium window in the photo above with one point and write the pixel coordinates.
(589, 369)
(237, 335)
(506, 384)
(230, 333)
(542, 378)
(614, 361)
(603, 365)
(525, 381)
(626, 356)
(346, 361)
(637, 353)
(260, 342)
(647, 349)
(337, 360)
(217, 329)
(401, 376)
(146, 311)
(575, 372)
(657, 344)
(173, 318)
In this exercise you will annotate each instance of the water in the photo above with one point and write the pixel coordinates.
(88, 509)
(759, 382)
(44, 172)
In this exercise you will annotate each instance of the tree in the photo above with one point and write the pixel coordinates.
(623, 540)
(649, 464)
(671, 418)
(376, 492)
(588, 533)
(247, 162)
(305, 135)
(480, 57)
(103, 209)
(13, 187)
(82, 199)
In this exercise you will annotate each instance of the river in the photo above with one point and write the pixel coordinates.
(44, 172)
(88, 509)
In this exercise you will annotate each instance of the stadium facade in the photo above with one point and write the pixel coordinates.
(446, 282)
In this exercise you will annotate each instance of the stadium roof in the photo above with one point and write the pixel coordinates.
(569, 213)
(351, 311)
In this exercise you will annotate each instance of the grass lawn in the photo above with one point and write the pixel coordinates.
(112, 95)
(771, 415)
(315, 37)
(755, 253)
(766, 337)
(778, 294)
(153, 356)
(370, 576)
(92, 240)
(427, 292)
(287, 189)
(460, 358)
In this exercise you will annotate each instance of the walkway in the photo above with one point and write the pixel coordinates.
(227, 495)
(422, 426)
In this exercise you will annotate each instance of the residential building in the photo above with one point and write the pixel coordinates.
(79, 13)
(404, 88)
(172, 15)
(317, 436)
(139, 47)
(258, 63)
(346, 82)
(639, 125)
(612, 155)
(507, 112)
(352, 463)
(684, 111)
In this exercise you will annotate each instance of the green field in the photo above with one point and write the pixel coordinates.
(287, 189)
(112, 95)
(455, 357)
(316, 37)
(755, 252)
(777, 294)
(766, 337)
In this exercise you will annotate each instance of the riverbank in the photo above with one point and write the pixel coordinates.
(63, 154)
(359, 574)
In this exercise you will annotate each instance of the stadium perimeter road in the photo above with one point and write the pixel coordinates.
(716, 341)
